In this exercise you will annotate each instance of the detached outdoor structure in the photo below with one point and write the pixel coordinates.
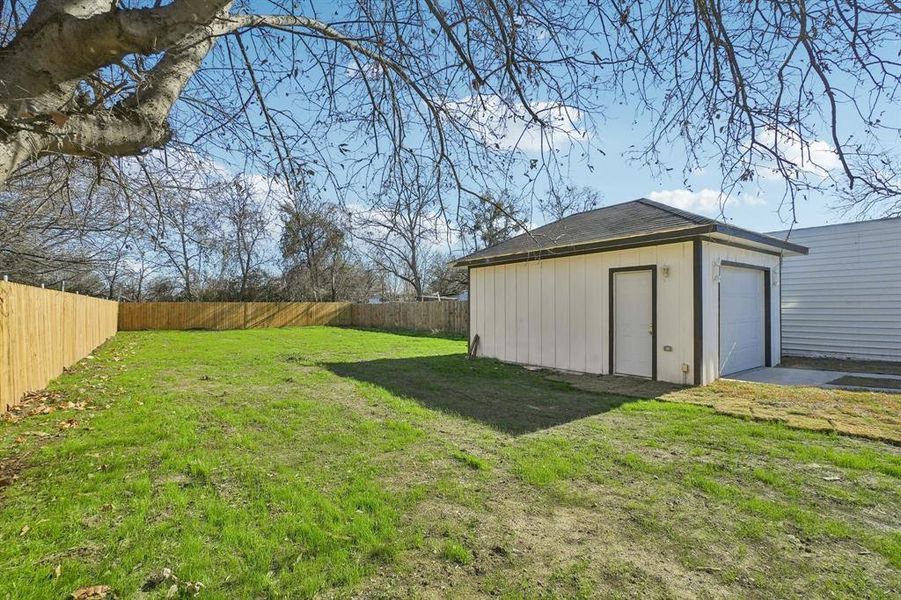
(638, 288)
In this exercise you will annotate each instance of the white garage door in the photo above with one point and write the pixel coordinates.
(742, 321)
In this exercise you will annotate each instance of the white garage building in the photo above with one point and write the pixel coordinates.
(844, 300)
(638, 288)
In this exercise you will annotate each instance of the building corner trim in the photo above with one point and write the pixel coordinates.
(698, 304)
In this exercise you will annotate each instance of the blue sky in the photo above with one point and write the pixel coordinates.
(759, 206)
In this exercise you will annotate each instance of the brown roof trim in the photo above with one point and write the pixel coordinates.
(760, 238)
(653, 239)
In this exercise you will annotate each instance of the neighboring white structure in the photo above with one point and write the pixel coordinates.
(638, 288)
(844, 300)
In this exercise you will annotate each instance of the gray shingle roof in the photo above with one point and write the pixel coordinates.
(638, 219)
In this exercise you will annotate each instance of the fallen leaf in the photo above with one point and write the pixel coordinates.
(194, 588)
(24, 531)
(57, 571)
(68, 424)
(94, 592)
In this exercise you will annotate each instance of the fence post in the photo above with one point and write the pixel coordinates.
(6, 398)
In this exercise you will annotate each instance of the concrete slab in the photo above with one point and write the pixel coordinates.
(784, 376)
(808, 377)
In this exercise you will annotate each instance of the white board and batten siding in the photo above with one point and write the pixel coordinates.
(844, 298)
(713, 255)
(554, 312)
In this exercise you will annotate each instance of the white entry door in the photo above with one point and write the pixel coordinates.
(633, 322)
(742, 319)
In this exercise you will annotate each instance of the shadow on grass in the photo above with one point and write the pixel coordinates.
(448, 335)
(506, 397)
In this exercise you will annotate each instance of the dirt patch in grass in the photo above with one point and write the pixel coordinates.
(10, 466)
(883, 367)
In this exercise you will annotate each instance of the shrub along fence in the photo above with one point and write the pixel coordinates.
(44, 331)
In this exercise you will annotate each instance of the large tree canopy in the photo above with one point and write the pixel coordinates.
(806, 91)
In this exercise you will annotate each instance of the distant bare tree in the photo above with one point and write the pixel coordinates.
(491, 219)
(400, 231)
(54, 225)
(139, 267)
(569, 199)
(314, 246)
(445, 280)
(247, 222)
(185, 235)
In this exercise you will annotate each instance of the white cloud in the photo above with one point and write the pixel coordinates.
(367, 70)
(509, 126)
(814, 157)
(703, 201)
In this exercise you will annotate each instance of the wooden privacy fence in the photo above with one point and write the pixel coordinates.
(230, 315)
(441, 317)
(44, 331)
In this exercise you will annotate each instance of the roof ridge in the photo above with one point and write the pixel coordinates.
(590, 210)
(678, 212)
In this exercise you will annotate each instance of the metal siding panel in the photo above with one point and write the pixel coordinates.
(844, 298)
(595, 313)
(488, 311)
(510, 329)
(548, 313)
(476, 297)
(561, 313)
(577, 314)
(522, 313)
(674, 311)
(535, 323)
(500, 313)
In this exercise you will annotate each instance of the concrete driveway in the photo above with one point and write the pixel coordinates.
(817, 378)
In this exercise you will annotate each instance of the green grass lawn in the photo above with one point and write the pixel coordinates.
(329, 462)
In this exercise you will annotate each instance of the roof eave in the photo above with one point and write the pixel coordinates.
(664, 237)
(784, 246)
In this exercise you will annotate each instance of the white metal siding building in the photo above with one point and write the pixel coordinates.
(844, 299)
(637, 288)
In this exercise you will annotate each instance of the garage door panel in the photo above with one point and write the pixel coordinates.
(742, 319)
